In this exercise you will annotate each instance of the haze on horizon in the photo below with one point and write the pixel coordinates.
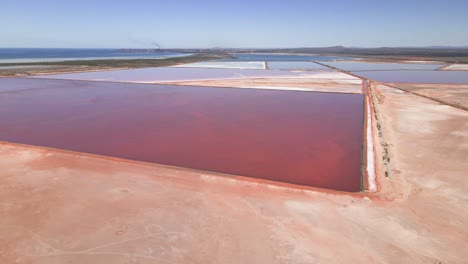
(232, 24)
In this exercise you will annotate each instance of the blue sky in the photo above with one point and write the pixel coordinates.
(237, 24)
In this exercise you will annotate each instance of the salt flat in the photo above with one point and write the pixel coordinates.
(255, 65)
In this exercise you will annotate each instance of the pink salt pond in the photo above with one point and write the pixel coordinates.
(305, 138)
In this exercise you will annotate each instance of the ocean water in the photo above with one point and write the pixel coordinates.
(18, 55)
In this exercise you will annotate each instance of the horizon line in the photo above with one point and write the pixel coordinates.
(220, 48)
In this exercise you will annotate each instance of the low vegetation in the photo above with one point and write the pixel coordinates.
(89, 65)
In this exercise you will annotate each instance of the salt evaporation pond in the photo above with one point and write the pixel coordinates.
(168, 74)
(378, 66)
(305, 138)
(295, 65)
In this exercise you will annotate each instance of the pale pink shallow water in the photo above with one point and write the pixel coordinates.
(380, 66)
(166, 74)
(295, 65)
(306, 138)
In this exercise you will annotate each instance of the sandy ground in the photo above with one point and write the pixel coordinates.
(416, 76)
(62, 207)
(456, 67)
(303, 84)
(451, 94)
